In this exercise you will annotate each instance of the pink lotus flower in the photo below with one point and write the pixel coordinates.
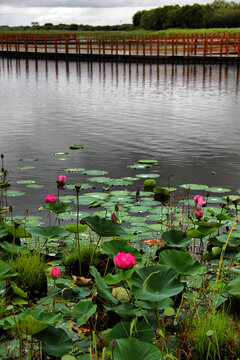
(198, 199)
(198, 214)
(50, 198)
(124, 261)
(61, 179)
(55, 273)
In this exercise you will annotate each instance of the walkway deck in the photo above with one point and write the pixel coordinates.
(178, 49)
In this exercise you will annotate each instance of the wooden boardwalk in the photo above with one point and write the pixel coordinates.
(178, 48)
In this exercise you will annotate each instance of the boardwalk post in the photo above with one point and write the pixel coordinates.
(66, 46)
(157, 46)
(35, 44)
(165, 46)
(221, 47)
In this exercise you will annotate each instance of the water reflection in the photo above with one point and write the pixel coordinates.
(186, 116)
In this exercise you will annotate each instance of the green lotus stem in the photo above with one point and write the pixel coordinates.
(225, 246)
(138, 304)
(106, 267)
(14, 237)
(175, 319)
(49, 217)
(49, 297)
(94, 250)
(54, 295)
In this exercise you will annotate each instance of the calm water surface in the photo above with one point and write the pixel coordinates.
(185, 116)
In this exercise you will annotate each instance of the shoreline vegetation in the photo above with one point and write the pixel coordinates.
(120, 271)
(216, 17)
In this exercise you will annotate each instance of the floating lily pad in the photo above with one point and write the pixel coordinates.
(76, 147)
(130, 178)
(67, 198)
(63, 158)
(29, 159)
(26, 182)
(147, 176)
(139, 166)
(49, 231)
(148, 161)
(26, 167)
(218, 190)
(74, 170)
(34, 186)
(95, 172)
(59, 153)
(118, 182)
(83, 186)
(13, 193)
(96, 195)
(194, 187)
(119, 193)
(100, 179)
(72, 215)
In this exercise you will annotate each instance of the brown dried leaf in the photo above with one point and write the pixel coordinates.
(81, 281)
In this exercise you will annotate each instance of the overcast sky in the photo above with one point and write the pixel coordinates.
(93, 12)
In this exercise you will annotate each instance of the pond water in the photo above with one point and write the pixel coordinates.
(184, 116)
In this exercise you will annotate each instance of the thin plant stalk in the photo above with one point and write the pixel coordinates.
(77, 187)
(138, 304)
(224, 248)
(54, 295)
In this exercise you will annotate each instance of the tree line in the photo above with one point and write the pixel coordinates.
(218, 14)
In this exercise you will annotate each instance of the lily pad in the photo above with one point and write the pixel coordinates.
(13, 193)
(142, 331)
(72, 215)
(74, 170)
(99, 179)
(194, 187)
(181, 262)
(147, 176)
(34, 186)
(118, 182)
(148, 161)
(26, 182)
(133, 349)
(218, 190)
(103, 227)
(176, 238)
(95, 172)
(139, 166)
(55, 341)
(26, 167)
(155, 283)
(76, 147)
(29, 159)
(49, 231)
(63, 158)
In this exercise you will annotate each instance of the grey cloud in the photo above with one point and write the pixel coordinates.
(81, 3)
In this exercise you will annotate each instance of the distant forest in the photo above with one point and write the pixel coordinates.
(218, 14)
